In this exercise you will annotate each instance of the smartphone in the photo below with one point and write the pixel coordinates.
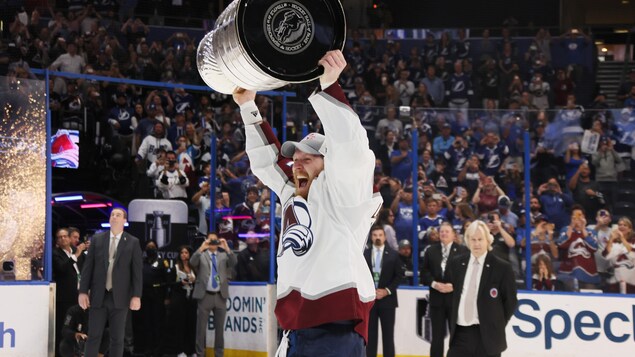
(436, 196)
(404, 111)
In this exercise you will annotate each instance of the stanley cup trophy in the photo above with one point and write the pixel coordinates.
(266, 44)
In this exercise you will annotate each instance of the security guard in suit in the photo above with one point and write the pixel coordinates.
(149, 322)
(388, 273)
(435, 262)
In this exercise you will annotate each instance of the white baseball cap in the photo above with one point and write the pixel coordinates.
(310, 144)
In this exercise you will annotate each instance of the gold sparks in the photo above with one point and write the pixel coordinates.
(23, 169)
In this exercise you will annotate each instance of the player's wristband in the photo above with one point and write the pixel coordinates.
(250, 113)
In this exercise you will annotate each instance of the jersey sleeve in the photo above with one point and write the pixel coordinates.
(348, 161)
(263, 150)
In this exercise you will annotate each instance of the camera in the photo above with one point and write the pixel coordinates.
(214, 242)
(404, 111)
(8, 271)
(171, 162)
(491, 218)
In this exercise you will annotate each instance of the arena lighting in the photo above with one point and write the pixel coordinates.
(253, 235)
(95, 205)
(107, 225)
(69, 198)
(238, 217)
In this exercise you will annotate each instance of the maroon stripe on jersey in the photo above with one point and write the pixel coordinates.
(271, 138)
(335, 91)
(295, 312)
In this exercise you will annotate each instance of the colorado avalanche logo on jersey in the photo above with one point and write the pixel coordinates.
(578, 248)
(624, 262)
(297, 234)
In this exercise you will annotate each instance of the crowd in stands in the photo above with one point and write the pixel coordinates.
(469, 109)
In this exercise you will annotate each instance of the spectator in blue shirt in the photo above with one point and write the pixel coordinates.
(401, 207)
(555, 204)
(456, 157)
(401, 161)
(435, 85)
(444, 141)
(492, 153)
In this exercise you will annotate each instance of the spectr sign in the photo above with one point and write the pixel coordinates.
(24, 320)
(544, 324)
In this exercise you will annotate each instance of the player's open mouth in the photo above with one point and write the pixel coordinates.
(303, 182)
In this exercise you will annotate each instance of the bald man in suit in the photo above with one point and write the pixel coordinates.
(484, 297)
(435, 261)
(112, 275)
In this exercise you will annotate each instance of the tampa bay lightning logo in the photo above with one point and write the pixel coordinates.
(288, 26)
(297, 235)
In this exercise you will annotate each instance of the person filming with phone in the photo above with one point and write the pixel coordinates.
(215, 268)
(173, 181)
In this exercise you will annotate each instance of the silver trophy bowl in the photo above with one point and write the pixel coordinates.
(266, 44)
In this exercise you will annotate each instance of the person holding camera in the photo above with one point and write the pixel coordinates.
(172, 180)
(457, 156)
(486, 196)
(75, 334)
(579, 246)
(608, 168)
(586, 191)
(67, 265)
(149, 148)
(542, 241)
(620, 252)
(401, 207)
(555, 204)
(503, 241)
(214, 267)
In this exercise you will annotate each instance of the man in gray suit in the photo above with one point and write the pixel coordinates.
(112, 275)
(214, 269)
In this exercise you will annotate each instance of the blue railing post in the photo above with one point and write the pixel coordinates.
(415, 206)
(272, 237)
(48, 230)
(212, 183)
(527, 148)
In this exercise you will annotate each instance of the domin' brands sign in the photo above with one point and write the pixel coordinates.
(289, 27)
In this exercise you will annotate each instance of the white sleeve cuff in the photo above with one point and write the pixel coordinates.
(326, 85)
(250, 113)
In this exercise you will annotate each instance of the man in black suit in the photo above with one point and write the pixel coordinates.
(435, 259)
(387, 270)
(112, 273)
(485, 297)
(67, 264)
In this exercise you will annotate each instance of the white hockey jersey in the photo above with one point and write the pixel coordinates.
(322, 274)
